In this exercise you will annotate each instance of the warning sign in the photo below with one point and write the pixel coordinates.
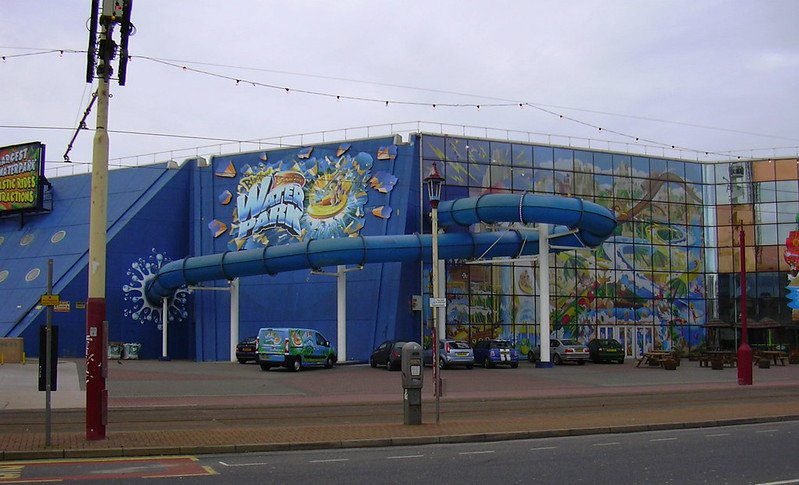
(62, 307)
(50, 300)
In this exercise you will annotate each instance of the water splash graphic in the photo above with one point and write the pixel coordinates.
(138, 308)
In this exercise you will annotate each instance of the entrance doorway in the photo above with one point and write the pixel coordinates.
(622, 334)
(644, 341)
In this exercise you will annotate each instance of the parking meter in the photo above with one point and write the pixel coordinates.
(412, 382)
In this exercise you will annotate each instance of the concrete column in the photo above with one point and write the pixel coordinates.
(341, 312)
(234, 317)
(543, 288)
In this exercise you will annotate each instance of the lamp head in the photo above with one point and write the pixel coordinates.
(434, 182)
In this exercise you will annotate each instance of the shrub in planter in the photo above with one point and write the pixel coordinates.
(717, 364)
(793, 358)
(670, 364)
(764, 363)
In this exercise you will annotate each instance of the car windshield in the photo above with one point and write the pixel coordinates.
(399, 345)
(570, 342)
(608, 343)
(459, 345)
(500, 344)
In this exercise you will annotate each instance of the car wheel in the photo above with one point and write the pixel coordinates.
(372, 362)
(329, 362)
(556, 359)
(470, 366)
(242, 361)
(441, 363)
(487, 363)
(265, 367)
(514, 365)
(296, 364)
(581, 362)
(388, 364)
(620, 361)
(531, 356)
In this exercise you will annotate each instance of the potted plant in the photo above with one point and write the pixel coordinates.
(793, 357)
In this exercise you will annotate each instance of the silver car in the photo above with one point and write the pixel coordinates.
(562, 350)
(451, 353)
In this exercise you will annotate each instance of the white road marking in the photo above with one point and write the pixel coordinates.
(403, 456)
(766, 431)
(607, 444)
(329, 461)
(543, 448)
(663, 439)
(782, 482)
(716, 435)
(475, 452)
(243, 464)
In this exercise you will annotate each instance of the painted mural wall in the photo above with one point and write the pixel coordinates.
(277, 197)
(645, 286)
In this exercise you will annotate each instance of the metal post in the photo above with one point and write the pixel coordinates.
(543, 300)
(234, 317)
(48, 375)
(164, 328)
(96, 393)
(744, 351)
(341, 311)
(435, 312)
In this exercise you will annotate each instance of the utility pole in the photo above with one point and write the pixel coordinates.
(113, 12)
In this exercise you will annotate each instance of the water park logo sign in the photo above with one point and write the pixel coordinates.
(275, 201)
(20, 167)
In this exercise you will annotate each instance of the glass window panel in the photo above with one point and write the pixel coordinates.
(766, 213)
(676, 191)
(522, 178)
(762, 170)
(433, 147)
(500, 177)
(603, 163)
(564, 159)
(787, 212)
(677, 214)
(640, 167)
(603, 185)
(787, 190)
(723, 194)
(479, 151)
(693, 172)
(765, 191)
(544, 181)
(522, 155)
(543, 157)
(622, 187)
(457, 173)
(456, 149)
(583, 184)
(786, 169)
(783, 230)
(622, 165)
(564, 184)
(500, 153)
(479, 175)
(583, 161)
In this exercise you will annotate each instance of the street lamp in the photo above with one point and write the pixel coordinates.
(434, 183)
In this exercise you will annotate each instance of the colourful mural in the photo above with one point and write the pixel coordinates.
(792, 258)
(298, 197)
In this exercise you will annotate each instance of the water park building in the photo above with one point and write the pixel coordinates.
(647, 247)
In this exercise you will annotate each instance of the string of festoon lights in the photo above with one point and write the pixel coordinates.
(185, 67)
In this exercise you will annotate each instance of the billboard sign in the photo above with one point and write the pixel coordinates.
(20, 184)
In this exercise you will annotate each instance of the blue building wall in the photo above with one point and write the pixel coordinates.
(381, 179)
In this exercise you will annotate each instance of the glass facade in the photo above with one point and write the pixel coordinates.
(671, 266)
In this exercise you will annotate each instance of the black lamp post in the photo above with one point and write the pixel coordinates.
(434, 182)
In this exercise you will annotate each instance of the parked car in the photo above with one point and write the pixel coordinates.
(389, 354)
(247, 350)
(606, 350)
(294, 348)
(496, 352)
(561, 350)
(450, 353)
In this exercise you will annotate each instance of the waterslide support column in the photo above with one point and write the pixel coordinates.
(543, 302)
(234, 317)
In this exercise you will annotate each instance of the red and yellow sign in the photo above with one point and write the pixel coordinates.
(20, 169)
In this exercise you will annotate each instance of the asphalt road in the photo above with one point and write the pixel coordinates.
(762, 454)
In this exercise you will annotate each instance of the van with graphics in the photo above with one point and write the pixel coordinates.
(294, 348)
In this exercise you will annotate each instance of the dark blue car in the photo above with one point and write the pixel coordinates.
(494, 352)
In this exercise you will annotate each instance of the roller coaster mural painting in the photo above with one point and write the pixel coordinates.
(648, 274)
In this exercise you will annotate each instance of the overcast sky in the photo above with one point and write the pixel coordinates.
(719, 75)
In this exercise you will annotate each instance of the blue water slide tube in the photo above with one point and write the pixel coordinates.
(577, 224)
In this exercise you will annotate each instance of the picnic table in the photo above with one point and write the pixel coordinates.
(771, 355)
(655, 358)
(726, 357)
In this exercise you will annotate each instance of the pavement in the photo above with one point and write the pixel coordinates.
(181, 407)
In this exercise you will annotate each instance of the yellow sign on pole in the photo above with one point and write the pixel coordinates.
(50, 300)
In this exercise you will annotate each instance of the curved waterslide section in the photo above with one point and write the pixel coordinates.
(578, 224)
